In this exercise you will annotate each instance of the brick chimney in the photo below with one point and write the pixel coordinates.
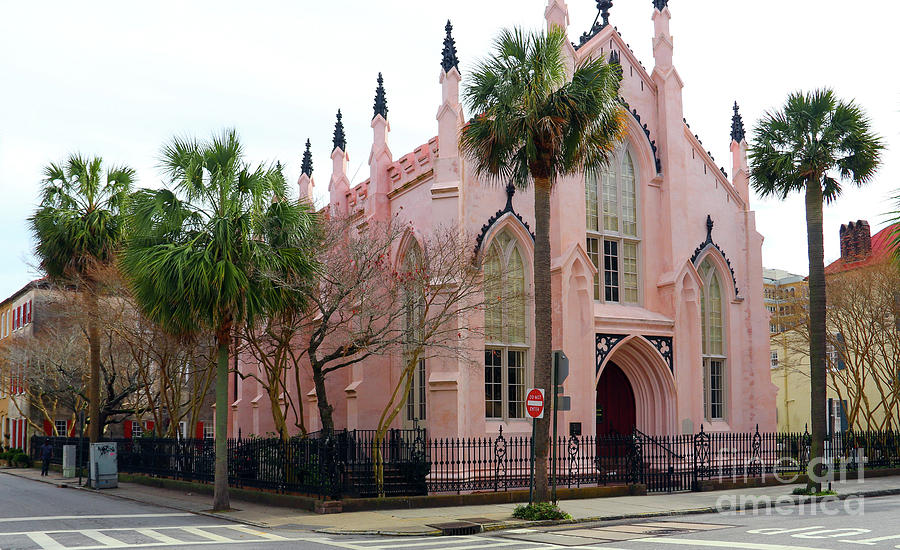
(856, 241)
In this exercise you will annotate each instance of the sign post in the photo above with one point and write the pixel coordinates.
(534, 406)
(560, 373)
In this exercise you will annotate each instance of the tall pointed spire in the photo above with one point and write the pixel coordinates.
(660, 4)
(339, 139)
(306, 166)
(737, 125)
(381, 107)
(449, 60)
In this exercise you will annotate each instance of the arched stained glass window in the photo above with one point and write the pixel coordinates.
(713, 343)
(413, 303)
(505, 315)
(613, 230)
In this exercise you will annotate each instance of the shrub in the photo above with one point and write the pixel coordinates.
(804, 491)
(22, 460)
(539, 511)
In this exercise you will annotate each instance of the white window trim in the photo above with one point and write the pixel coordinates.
(600, 234)
(708, 357)
(505, 346)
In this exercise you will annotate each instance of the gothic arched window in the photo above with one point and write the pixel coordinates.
(613, 235)
(413, 305)
(506, 346)
(713, 344)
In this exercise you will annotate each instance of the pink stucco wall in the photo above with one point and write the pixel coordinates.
(432, 187)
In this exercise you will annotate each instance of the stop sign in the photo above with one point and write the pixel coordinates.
(534, 403)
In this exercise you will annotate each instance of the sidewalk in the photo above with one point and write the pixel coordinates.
(421, 521)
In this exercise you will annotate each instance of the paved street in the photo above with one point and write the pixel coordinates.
(37, 516)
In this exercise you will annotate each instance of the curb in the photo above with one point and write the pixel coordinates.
(503, 525)
(132, 499)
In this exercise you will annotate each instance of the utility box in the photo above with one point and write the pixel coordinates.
(68, 465)
(104, 470)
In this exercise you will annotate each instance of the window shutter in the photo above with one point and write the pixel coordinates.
(844, 415)
(199, 434)
(127, 429)
(149, 424)
(840, 351)
(70, 428)
(48, 427)
(30, 308)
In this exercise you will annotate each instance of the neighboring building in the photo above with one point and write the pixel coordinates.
(655, 272)
(788, 295)
(17, 317)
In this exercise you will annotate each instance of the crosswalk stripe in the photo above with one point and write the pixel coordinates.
(723, 544)
(45, 541)
(101, 538)
(432, 541)
(113, 516)
(61, 531)
(201, 533)
(156, 535)
(257, 533)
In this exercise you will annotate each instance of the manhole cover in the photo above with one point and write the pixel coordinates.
(482, 521)
(457, 528)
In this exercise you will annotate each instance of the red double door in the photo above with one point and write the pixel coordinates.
(616, 413)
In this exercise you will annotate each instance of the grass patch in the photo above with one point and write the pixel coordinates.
(539, 511)
(805, 491)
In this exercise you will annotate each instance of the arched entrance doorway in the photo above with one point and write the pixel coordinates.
(616, 411)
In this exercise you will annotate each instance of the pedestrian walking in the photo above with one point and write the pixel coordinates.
(46, 455)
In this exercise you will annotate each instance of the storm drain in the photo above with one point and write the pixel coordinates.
(453, 528)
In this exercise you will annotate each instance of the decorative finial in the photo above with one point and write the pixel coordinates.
(449, 61)
(380, 99)
(709, 228)
(737, 125)
(306, 165)
(660, 4)
(340, 140)
(603, 6)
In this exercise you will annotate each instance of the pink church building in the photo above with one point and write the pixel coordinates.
(656, 272)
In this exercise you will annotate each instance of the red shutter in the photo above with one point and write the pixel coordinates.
(48, 428)
(149, 426)
(127, 427)
(70, 428)
(199, 434)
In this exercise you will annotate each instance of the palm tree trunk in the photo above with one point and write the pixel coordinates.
(543, 331)
(221, 500)
(817, 373)
(95, 426)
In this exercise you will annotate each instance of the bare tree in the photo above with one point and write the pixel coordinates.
(441, 289)
(54, 358)
(864, 344)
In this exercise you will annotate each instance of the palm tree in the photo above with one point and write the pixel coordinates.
(78, 228)
(533, 125)
(813, 145)
(207, 253)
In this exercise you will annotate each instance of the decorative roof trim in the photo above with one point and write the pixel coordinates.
(339, 139)
(508, 209)
(660, 4)
(603, 7)
(380, 106)
(306, 166)
(709, 243)
(737, 125)
(637, 117)
(449, 59)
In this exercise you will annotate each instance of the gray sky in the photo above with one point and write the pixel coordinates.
(120, 78)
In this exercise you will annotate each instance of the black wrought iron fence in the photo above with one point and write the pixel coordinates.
(344, 462)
